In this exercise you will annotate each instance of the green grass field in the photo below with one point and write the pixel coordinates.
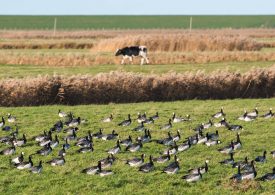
(256, 137)
(68, 179)
(133, 22)
(21, 71)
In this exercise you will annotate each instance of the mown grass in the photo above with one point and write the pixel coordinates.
(256, 137)
(134, 22)
(21, 71)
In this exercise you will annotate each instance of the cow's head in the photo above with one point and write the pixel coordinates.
(118, 52)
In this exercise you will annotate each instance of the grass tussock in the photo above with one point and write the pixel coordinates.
(180, 42)
(244, 186)
(123, 87)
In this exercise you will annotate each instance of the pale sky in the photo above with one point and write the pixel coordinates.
(137, 7)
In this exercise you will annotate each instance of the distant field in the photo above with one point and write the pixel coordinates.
(68, 179)
(134, 22)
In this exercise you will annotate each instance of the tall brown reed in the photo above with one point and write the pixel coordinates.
(130, 87)
(65, 45)
(180, 42)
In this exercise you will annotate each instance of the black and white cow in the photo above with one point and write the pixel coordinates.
(130, 52)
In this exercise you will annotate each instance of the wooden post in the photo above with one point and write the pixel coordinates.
(190, 27)
(54, 27)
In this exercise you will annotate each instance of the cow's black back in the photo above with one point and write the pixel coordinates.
(130, 51)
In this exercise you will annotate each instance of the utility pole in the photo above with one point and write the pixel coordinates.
(190, 27)
(54, 27)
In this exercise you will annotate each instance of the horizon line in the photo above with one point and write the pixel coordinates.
(137, 14)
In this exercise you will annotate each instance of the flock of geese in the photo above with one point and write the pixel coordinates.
(70, 125)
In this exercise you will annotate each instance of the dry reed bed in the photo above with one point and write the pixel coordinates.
(72, 34)
(130, 87)
(155, 42)
(76, 59)
(210, 57)
(68, 45)
(180, 42)
(269, 45)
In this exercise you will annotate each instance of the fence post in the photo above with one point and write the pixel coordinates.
(190, 25)
(54, 27)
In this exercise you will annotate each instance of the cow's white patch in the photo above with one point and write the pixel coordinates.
(143, 54)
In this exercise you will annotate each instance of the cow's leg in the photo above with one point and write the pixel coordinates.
(123, 60)
(142, 61)
(131, 59)
(147, 61)
(144, 57)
